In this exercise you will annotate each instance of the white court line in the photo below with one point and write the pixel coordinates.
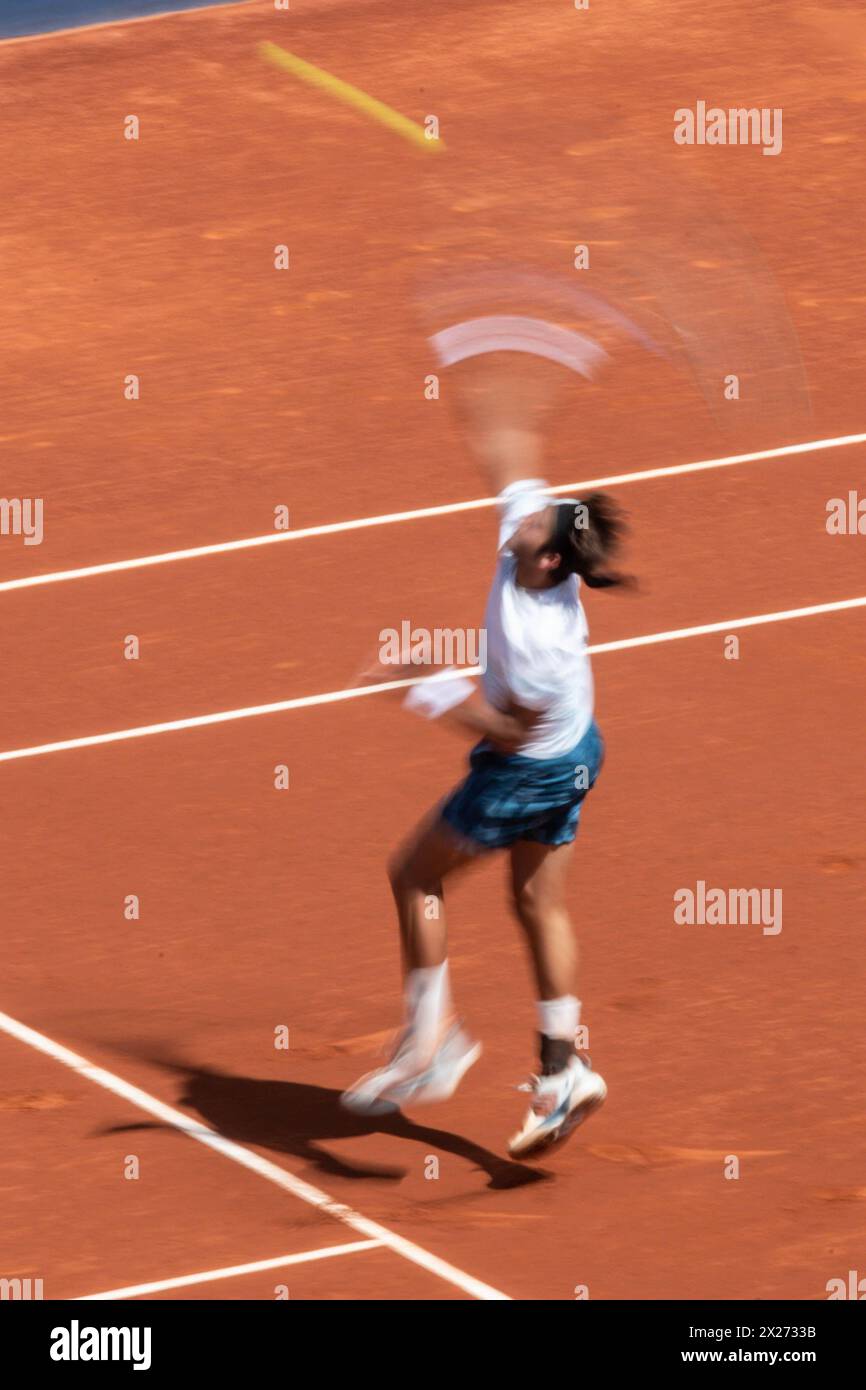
(783, 616)
(421, 513)
(333, 696)
(229, 1272)
(281, 1177)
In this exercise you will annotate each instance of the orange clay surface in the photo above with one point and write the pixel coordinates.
(262, 908)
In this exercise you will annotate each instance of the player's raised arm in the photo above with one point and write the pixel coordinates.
(502, 401)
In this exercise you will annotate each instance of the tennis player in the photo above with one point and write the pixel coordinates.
(539, 754)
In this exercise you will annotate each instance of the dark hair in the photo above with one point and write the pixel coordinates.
(586, 535)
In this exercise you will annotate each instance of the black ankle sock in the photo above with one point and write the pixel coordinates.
(555, 1054)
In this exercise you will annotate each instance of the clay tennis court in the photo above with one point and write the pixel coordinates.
(260, 909)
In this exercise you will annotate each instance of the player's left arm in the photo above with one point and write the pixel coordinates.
(507, 729)
(459, 703)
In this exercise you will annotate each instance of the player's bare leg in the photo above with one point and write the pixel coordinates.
(567, 1090)
(538, 882)
(417, 872)
(433, 1052)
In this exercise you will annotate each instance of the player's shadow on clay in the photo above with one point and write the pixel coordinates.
(294, 1118)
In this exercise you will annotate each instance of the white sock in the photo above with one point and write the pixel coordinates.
(428, 1001)
(558, 1018)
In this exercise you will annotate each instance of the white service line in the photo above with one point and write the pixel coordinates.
(333, 696)
(229, 1272)
(421, 513)
(281, 1177)
(785, 615)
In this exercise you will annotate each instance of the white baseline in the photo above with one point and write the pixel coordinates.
(331, 697)
(168, 557)
(281, 1177)
(185, 1281)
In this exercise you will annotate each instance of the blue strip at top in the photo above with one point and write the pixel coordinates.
(20, 17)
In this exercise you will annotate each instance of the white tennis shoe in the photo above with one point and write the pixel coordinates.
(559, 1104)
(413, 1077)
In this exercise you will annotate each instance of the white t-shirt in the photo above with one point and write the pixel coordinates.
(536, 640)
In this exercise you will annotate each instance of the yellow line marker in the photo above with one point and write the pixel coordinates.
(349, 95)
